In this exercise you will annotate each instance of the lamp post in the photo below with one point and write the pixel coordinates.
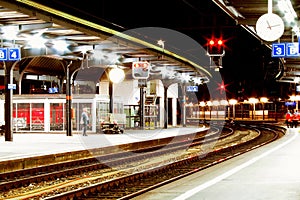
(202, 104)
(216, 103)
(263, 100)
(209, 104)
(224, 103)
(116, 75)
(233, 102)
(253, 101)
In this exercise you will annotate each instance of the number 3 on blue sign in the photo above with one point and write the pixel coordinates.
(278, 50)
(14, 54)
(3, 53)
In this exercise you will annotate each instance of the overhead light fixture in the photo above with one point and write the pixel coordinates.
(286, 7)
(296, 30)
(197, 80)
(9, 32)
(185, 77)
(116, 75)
(161, 43)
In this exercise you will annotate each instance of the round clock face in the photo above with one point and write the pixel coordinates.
(269, 27)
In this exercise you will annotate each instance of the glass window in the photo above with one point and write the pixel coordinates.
(102, 109)
(37, 116)
(21, 116)
(57, 116)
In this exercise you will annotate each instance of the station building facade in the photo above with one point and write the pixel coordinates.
(46, 112)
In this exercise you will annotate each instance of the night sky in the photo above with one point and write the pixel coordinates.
(248, 69)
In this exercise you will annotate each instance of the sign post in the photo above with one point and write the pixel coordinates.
(9, 54)
(140, 71)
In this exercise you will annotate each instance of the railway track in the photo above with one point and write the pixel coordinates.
(14, 182)
(114, 176)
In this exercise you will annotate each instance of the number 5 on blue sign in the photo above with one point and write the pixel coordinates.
(14, 54)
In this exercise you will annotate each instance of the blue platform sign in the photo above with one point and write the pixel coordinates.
(292, 49)
(10, 54)
(11, 86)
(14, 54)
(192, 88)
(3, 53)
(278, 50)
(290, 103)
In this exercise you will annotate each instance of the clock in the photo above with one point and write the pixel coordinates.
(269, 27)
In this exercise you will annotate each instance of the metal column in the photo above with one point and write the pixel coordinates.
(69, 102)
(111, 97)
(166, 107)
(183, 106)
(8, 103)
(142, 108)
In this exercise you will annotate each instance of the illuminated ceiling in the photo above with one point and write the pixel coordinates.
(38, 30)
(86, 40)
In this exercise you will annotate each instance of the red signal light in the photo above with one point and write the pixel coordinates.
(212, 42)
(220, 42)
(215, 46)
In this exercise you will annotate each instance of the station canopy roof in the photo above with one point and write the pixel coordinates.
(51, 40)
(87, 41)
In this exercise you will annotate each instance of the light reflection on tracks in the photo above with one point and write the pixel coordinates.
(112, 183)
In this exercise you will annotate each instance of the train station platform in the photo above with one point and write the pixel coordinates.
(270, 172)
(26, 145)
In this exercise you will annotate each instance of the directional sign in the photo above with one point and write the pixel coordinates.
(14, 54)
(192, 88)
(289, 50)
(290, 103)
(278, 50)
(292, 49)
(3, 53)
(11, 86)
(140, 70)
(10, 54)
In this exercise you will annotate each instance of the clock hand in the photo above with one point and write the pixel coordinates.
(270, 27)
(275, 25)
